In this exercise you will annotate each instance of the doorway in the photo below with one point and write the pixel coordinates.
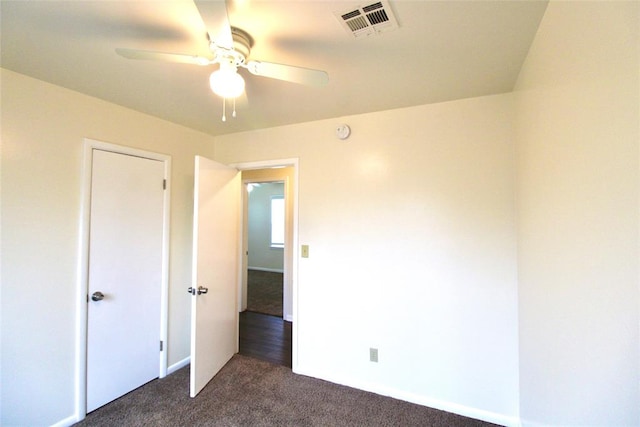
(267, 259)
(284, 171)
(265, 246)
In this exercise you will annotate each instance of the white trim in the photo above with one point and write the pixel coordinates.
(527, 423)
(83, 265)
(451, 407)
(166, 251)
(179, 365)
(265, 164)
(271, 270)
(291, 253)
(69, 421)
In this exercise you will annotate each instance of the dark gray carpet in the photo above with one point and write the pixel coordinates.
(264, 292)
(251, 392)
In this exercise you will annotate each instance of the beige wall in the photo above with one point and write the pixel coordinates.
(578, 132)
(411, 229)
(43, 127)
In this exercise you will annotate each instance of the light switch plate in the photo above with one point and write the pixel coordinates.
(305, 251)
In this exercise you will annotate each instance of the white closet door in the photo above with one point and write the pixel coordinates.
(125, 267)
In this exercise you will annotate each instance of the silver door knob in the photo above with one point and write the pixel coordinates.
(199, 291)
(97, 296)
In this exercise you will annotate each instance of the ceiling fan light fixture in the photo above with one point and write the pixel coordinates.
(226, 82)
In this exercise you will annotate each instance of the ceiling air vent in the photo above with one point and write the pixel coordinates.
(367, 20)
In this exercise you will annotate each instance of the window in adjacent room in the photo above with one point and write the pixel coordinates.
(277, 221)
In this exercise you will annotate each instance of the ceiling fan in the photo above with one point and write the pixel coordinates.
(230, 48)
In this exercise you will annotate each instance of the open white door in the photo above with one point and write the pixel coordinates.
(214, 307)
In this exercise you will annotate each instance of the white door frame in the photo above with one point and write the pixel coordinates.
(291, 254)
(83, 265)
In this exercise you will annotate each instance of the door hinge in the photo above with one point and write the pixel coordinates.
(164, 184)
(160, 345)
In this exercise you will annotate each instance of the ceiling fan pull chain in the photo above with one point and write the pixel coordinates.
(224, 108)
(234, 109)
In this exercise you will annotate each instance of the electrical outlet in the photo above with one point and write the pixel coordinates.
(373, 355)
(305, 251)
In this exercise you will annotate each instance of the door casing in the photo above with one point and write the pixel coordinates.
(83, 265)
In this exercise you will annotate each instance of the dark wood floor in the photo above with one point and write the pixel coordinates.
(265, 337)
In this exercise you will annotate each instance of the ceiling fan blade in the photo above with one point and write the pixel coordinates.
(162, 56)
(215, 18)
(289, 73)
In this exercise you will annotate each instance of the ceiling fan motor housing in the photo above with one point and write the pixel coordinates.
(238, 55)
(242, 41)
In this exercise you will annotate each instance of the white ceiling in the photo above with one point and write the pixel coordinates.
(443, 50)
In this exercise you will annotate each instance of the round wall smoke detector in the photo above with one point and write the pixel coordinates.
(343, 131)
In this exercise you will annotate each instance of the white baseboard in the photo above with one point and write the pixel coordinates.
(69, 421)
(529, 423)
(179, 365)
(454, 408)
(288, 317)
(271, 270)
